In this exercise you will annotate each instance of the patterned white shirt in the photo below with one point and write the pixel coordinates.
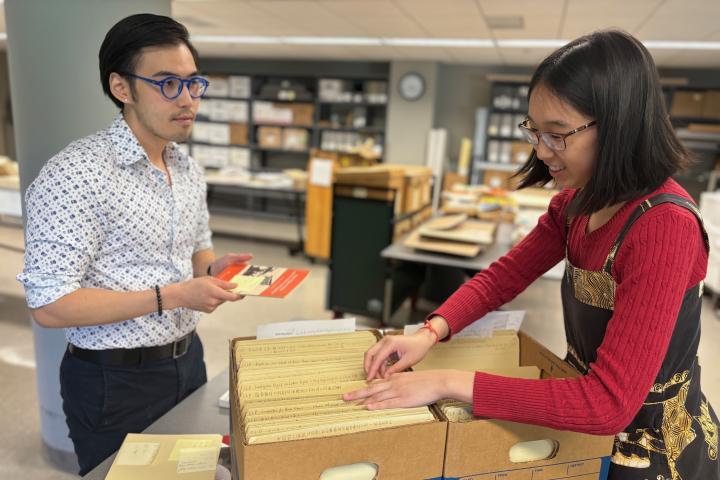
(100, 215)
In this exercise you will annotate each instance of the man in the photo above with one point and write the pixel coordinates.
(118, 248)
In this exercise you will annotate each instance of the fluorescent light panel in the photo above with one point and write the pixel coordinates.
(428, 42)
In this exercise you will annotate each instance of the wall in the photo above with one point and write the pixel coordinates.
(7, 143)
(410, 122)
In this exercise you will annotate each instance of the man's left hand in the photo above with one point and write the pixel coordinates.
(226, 260)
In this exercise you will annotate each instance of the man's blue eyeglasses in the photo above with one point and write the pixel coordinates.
(171, 87)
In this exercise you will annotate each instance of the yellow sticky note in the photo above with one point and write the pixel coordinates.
(197, 459)
(190, 443)
(137, 453)
(246, 284)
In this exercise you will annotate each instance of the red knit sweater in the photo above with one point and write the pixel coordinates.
(661, 257)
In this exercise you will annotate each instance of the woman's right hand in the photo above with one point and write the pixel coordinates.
(409, 350)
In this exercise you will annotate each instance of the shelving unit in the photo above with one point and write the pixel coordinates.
(263, 124)
(337, 114)
(695, 114)
(505, 150)
(692, 110)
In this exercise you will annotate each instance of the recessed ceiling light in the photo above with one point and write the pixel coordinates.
(431, 42)
(506, 22)
(439, 42)
(680, 45)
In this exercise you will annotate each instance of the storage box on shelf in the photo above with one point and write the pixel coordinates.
(269, 123)
(352, 113)
(504, 147)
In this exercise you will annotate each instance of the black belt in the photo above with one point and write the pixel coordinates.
(133, 356)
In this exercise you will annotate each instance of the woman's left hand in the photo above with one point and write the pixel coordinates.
(414, 389)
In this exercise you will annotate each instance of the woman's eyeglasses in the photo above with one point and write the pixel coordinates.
(554, 141)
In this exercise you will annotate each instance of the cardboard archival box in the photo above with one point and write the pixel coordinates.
(688, 103)
(302, 113)
(238, 133)
(479, 449)
(711, 106)
(417, 188)
(270, 137)
(406, 452)
(500, 179)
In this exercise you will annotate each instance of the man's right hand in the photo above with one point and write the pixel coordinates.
(203, 294)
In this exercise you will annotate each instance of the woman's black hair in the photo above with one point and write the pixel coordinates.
(610, 77)
(124, 42)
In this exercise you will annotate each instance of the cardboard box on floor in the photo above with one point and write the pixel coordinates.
(479, 450)
(407, 452)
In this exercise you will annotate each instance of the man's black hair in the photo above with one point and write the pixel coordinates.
(123, 45)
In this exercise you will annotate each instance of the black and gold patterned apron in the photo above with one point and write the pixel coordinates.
(674, 436)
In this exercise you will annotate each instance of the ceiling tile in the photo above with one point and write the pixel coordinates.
(583, 17)
(541, 19)
(682, 20)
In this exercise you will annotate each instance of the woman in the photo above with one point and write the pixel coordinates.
(636, 254)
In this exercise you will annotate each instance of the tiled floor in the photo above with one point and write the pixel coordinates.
(20, 443)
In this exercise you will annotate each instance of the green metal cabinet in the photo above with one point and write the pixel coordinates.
(360, 281)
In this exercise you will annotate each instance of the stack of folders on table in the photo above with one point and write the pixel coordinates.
(291, 388)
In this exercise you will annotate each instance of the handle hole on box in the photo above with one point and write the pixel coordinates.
(533, 451)
(353, 471)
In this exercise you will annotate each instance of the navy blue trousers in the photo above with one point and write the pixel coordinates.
(104, 403)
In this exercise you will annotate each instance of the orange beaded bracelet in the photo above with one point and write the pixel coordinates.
(430, 327)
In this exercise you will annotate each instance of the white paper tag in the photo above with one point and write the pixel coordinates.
(484, 327)
(321, 172)
(304, 327)
(137, 453)
(197, 459)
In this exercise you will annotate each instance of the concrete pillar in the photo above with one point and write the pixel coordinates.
(56, 98)
(409, 122)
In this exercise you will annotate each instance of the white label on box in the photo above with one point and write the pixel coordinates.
(267, 112)
(205, 107)
(506, 129)
(360, 192)
(217, 133)
(137, 453)
(237, 111)
(321, 172)
(240, 157)
(228, 111)
(197, 459)
(239, 86)
(184, 443)
(209, 156)
(219, 110)
(200, 131)
(219, 87)
(304, 327)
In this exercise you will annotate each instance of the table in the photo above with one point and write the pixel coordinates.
(198, 413)
(398, 252)
(218, 185)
